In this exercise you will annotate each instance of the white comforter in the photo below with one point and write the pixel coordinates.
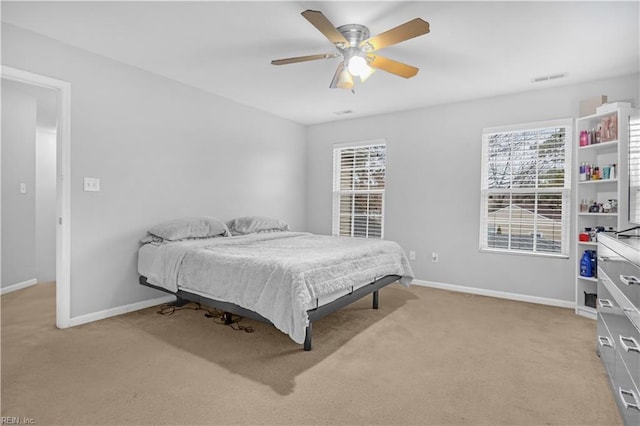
(278, 275)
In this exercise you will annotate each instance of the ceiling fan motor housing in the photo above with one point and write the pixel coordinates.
(354, 34)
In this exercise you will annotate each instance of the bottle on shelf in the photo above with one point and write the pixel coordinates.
(584, 138)
(588, 172)
(586, 269)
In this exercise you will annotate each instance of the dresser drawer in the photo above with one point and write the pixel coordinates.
(626, 394)
(623, 273)
(606, 347)
(626, 341)
(628, 346)
(606, 304)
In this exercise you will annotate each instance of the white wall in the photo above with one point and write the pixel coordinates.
(161, 150)
(433, 184)
(18, 166)
(45, 226)
(29, 220)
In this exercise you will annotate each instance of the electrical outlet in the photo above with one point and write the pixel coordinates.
(434, 257)
(412, 255)
(92, 184)
(23, 188)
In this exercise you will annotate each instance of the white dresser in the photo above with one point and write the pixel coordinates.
(618, 333)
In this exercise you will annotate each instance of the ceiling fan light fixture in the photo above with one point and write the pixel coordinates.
(345, 81)
(358, 66)
(367, 73)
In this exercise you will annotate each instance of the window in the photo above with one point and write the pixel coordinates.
(525, 188)
(358, 189)
(634, 169)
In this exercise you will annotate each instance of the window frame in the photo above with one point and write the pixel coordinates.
(337, 192)
(564, 192)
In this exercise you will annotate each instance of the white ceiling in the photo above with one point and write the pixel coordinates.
(474, 50)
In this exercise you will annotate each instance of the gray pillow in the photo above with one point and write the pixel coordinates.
(255, 224)
(190, 227)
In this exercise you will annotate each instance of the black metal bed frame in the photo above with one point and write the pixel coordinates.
(314, 314)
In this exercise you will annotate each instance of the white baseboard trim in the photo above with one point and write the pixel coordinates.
(112, 312)
(499, 294)
(19, 286)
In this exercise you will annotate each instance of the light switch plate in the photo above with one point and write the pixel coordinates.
(23, 188)
(91, 184)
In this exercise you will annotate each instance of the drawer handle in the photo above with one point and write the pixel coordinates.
(605, 341)
(605, 303)
(634, 348)
(635, 404)
(629, 280)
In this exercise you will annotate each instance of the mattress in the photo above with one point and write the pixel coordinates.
(279, 275)
(148, 252)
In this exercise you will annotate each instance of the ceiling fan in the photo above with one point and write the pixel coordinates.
(357, 49)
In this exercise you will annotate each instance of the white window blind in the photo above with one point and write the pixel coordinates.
(525, 188)
(634, 168)
(358, 189)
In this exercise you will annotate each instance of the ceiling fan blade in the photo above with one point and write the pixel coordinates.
(389, 65)
(303, 58)
(396, 35)
(323, 25)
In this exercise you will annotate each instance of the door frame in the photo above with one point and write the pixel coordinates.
(63, 187)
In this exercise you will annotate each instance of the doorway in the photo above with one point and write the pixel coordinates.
(62, 186)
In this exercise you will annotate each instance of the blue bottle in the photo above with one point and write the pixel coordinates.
(594, 263)
(586, 269)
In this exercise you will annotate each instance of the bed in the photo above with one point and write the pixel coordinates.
(269, 273)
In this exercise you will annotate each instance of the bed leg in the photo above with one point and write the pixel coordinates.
(180, 302)
(307, 338)
(375, 299)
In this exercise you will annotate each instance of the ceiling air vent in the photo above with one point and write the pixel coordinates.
(548, 77)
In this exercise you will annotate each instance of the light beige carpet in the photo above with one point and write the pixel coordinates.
(426, 356)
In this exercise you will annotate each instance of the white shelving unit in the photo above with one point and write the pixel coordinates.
(599, 191)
